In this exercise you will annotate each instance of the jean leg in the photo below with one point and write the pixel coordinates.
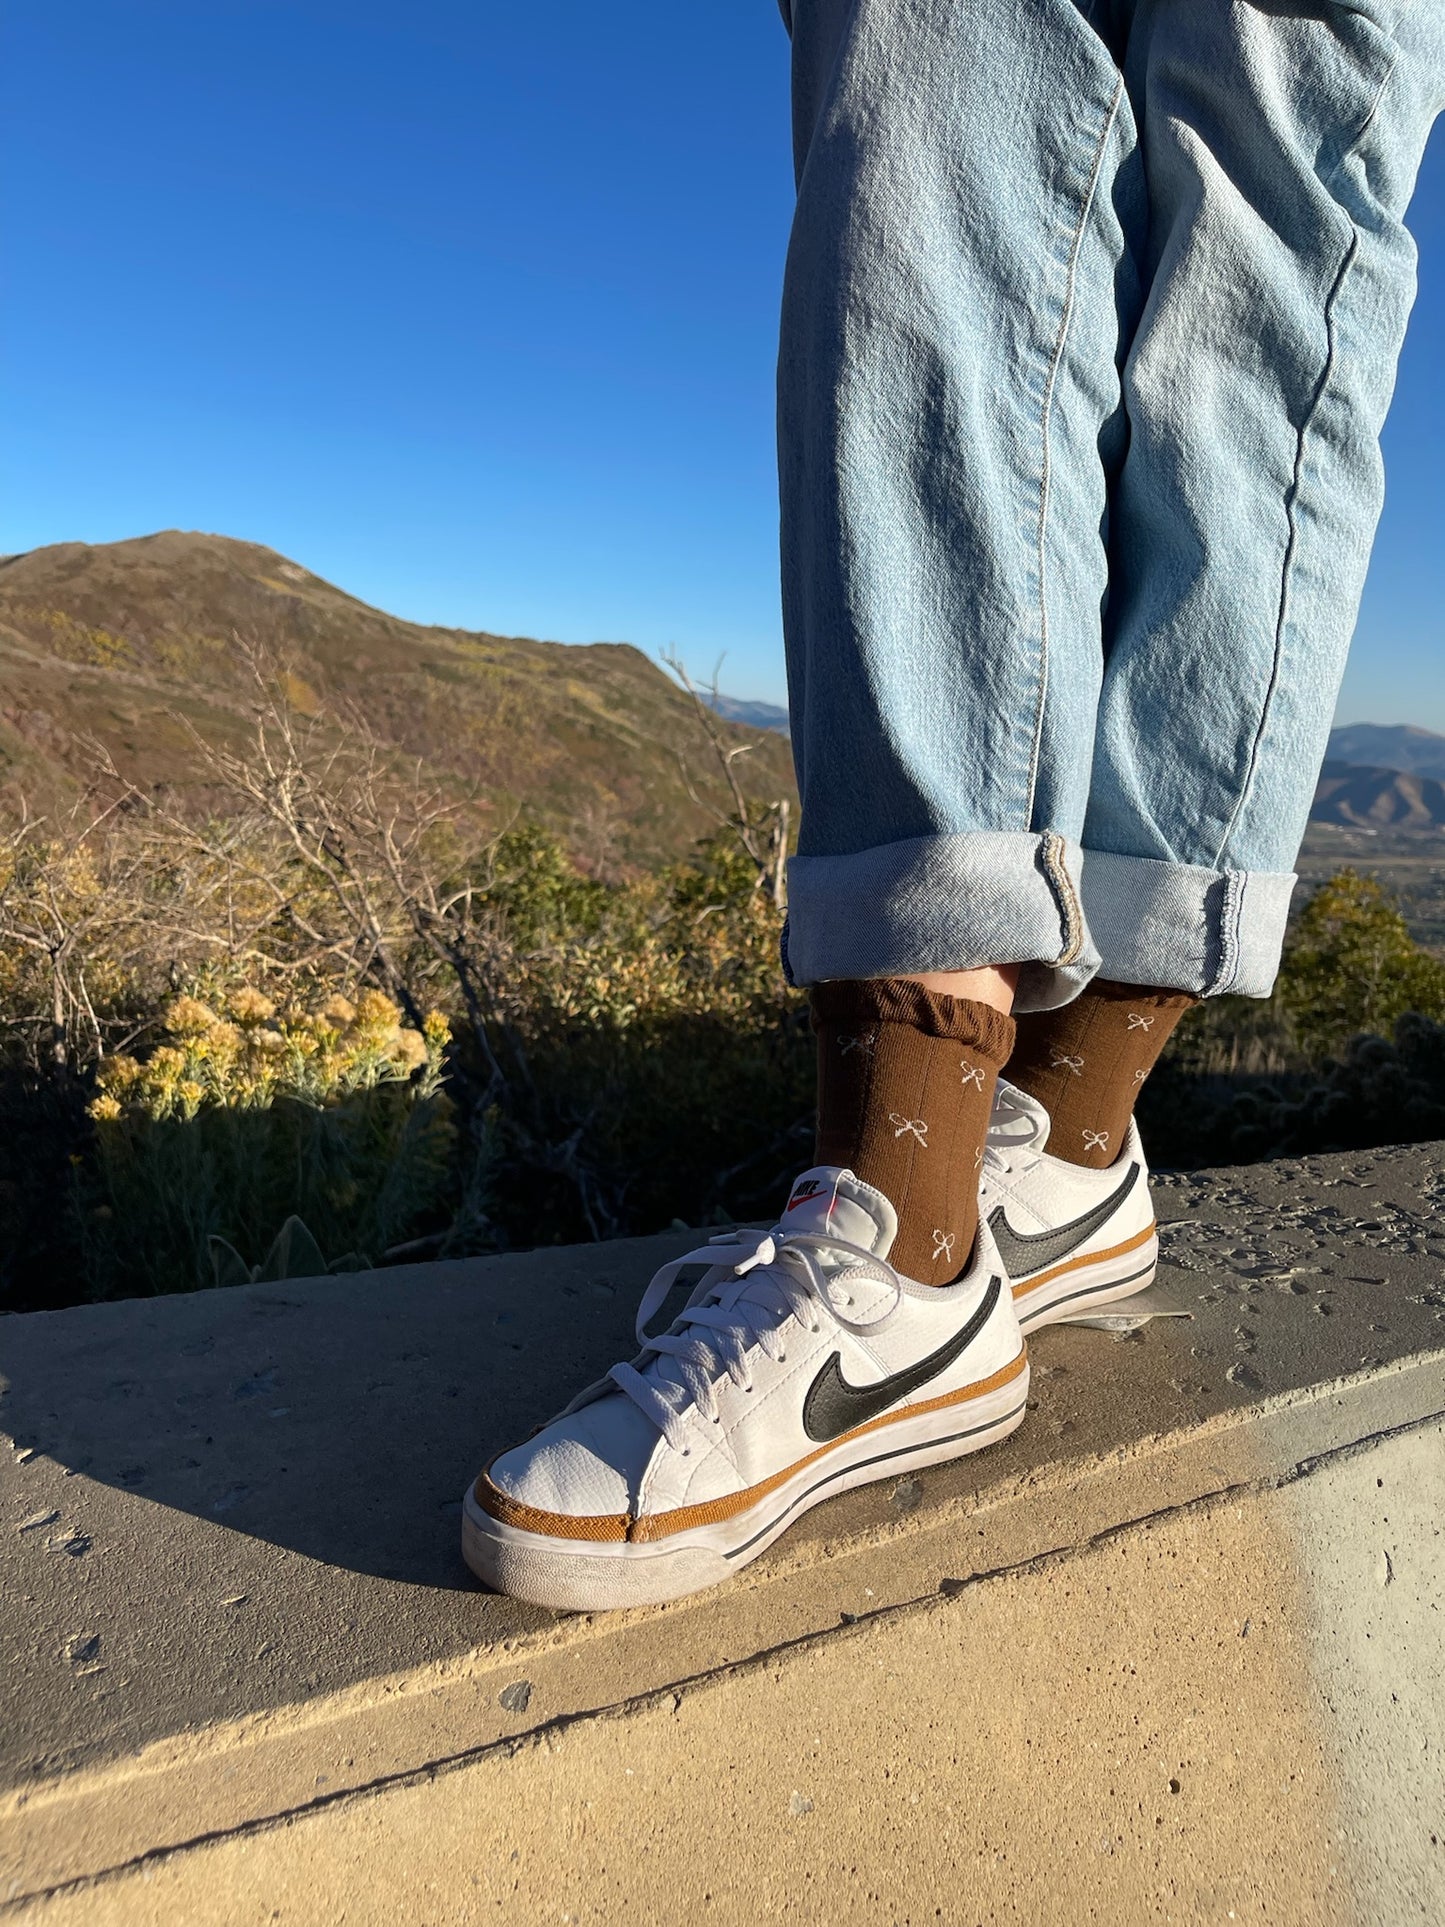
(948, 388)
(1281, 140)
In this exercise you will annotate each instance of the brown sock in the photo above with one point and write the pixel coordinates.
(1087, 1063)
(905, 1087)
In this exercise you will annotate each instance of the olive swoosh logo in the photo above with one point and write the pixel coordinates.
(1024, 1252)
(833, 1406)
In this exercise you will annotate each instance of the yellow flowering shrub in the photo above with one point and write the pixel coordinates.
(254, 1113)
(248, 1054)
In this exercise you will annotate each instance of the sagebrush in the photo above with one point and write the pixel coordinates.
(336, 1017)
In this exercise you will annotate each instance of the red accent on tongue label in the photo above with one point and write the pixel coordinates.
(809, 1188)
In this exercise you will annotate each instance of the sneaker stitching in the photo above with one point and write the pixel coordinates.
(660, 1525)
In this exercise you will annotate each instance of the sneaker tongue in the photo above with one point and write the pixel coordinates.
(1018, 1118)
(832, 1202)
(826, 1200)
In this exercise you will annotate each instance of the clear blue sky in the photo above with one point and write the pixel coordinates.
(469, 306)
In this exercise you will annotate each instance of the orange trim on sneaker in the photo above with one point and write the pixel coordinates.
(1088, 1258)
(614, 1528)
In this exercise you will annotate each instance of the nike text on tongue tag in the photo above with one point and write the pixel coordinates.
(830, 1202)
(809, 1188)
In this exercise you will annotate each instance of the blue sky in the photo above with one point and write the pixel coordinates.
(470, 307)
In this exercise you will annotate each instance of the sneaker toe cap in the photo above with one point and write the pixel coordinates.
(587, 1465)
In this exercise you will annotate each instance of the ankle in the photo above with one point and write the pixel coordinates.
(906, 1077)
(994, 984)
(1087, 1063)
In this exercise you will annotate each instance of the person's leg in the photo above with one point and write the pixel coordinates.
(905, 1089)
(1280, 146)
(947, 376)
(947, 371)
(1087, 1063)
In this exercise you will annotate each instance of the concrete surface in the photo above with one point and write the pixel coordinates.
(1141, 1729)
(239, 1656)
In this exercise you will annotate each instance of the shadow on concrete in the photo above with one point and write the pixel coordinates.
(250, 1498)
(338, 1418)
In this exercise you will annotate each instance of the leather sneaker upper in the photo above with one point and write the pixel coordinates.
(792, 1341)
(1044, 1211)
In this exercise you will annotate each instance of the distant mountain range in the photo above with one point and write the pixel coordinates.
(128, 642)
(1378, 798)
(1418, 752)
(1383, 776)
(751, 715)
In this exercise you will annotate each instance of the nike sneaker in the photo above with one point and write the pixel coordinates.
(1069, 1238)
(802, 1365)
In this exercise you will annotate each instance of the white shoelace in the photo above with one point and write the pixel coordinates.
(743, 1301)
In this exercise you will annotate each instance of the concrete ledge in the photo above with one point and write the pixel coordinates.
(228, 1522)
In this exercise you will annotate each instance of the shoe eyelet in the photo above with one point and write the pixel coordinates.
(747, 1388)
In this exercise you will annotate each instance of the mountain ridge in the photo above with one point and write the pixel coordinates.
(1397, 746)
(1369, 798)
(135, 643)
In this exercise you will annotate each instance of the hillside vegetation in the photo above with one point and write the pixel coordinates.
(139, 645)
(292, 978)
(337, 1026)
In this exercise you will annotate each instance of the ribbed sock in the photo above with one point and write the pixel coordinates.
(1086, 1063)
(905, 1087)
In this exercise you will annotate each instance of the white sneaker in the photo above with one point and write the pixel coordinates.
(1069, 1238)
(802, 1365)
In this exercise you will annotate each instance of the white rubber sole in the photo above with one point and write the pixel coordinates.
(597, 1576)
(1080, 1287)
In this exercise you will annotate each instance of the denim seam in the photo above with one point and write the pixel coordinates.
(1296, 487)
(1230, 912)
(1052, 853)
(1046, 431)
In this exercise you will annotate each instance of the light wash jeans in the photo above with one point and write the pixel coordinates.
(1090, 325)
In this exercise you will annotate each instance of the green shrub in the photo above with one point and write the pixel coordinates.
(247, 1117)
(1377, 1091)
(1352, 966)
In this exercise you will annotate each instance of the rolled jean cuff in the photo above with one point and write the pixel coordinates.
(955, 902)
(1181, 927)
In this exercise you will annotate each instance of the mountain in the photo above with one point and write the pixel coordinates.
(130, 641)
(1419, 752)
(1379, 798)
(750, 715)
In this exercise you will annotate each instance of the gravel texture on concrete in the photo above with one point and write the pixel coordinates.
(229, 1521)
(1146, 1728)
